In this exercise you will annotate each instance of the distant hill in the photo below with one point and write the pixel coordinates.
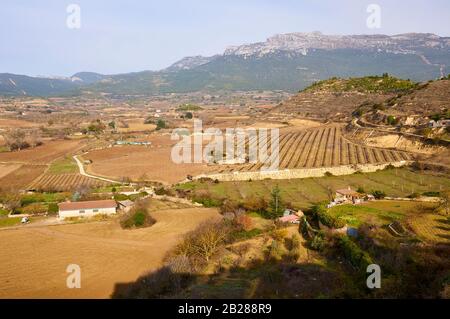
(13, 84)
(86, 78)
(286, 62)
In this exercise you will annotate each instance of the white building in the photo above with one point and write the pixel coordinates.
(87, 208)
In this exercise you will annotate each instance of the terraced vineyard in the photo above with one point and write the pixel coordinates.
(320, 147)
(63, 182)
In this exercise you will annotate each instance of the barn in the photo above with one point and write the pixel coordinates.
(87, 208)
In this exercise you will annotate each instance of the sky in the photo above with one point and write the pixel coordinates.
(120, 36)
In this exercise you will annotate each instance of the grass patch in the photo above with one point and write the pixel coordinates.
(7, 222)
(63, 166)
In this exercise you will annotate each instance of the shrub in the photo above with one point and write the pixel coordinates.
(244, 222)
(137, 217)
(378, 194)
(204, 241)
(34, 209)
(322, 215)
(318, 242)
(431, 194)
(160, 124)
(353, 253)
(53, 208)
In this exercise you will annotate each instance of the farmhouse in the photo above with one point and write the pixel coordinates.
(347, 195)
(87, 208)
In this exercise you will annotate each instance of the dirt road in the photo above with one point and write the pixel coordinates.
(33, 261)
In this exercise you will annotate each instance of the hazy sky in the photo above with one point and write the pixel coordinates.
(119, 36)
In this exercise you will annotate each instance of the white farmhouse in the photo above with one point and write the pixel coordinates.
(87, 208)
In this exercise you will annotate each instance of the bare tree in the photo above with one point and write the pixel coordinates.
(204, 241)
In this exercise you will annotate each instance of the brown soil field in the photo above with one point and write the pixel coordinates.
(135, 161)
(321, 147)
(20, 178)
(12, 123)
(64, 182)
(43, 154)
(34, 259)
(6, 169)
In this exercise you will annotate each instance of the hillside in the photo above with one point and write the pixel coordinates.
(414, 107)
(337, 98)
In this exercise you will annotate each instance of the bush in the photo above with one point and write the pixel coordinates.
(53, 208)
(431, 194)
(378, 194)
(138, 217)
(204, 241)
(34, 209)
(318, 242)
(414, 195)
(354, 254)
(244, 222)
(322, 215)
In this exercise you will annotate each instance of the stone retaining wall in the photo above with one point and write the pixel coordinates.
(301, 172)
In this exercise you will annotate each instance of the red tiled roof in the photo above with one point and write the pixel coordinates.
(94, 204)
(289, 218)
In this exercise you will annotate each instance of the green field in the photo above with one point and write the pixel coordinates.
(65, 165)
(302, 193)
(380, 212)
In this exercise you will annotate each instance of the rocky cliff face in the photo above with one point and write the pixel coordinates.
(410, 43)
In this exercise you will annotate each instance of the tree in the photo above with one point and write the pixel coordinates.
(160, 124)
(15, 140)
(188, 115)
(378, 194)
(204, 241)
(112, 125)
(275, 205)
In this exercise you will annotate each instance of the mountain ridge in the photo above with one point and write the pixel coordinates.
(287, 62)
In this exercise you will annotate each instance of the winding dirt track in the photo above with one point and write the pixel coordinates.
(33, 260)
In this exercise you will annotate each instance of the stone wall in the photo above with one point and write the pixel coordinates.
(301, 172)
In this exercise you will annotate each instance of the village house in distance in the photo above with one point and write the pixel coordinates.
(87, 208)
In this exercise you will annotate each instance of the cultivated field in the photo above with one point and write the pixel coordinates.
(34, 259)
(321, 147)
(140, 162)
(64, 182)
(21, 177)
(43, 154)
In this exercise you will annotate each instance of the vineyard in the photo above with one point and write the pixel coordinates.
(319, 147)
(64, 182)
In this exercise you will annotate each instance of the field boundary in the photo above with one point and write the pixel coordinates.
(301, 172)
